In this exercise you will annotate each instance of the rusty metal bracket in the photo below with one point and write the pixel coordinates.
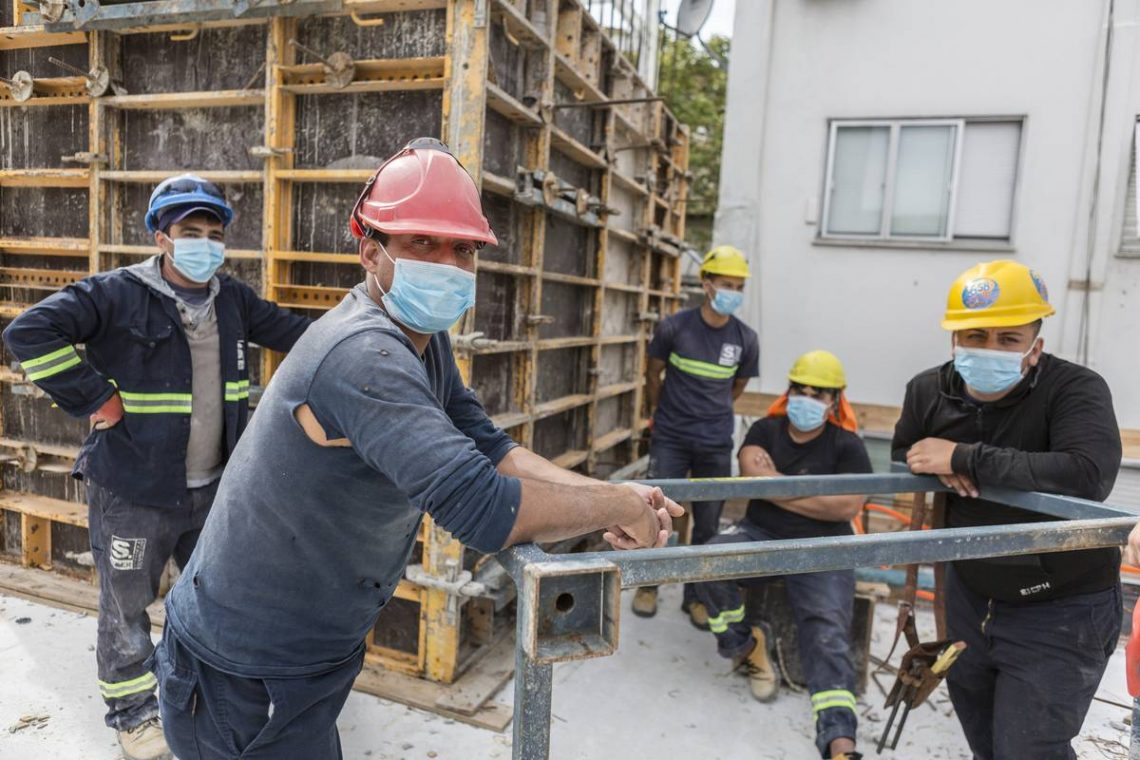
(463, 584)
(51, 11)
(267, 151)
(543, 188)
(21, 86)
(608, 103)
(97, 80)
(186, 36)
(365, 22)
(84, 157)
(472, 341)
(567, 610)
(83, 10)
(339, 67)
(25, 458)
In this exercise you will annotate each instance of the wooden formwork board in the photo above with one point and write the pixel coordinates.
(51, 534)
(587, 201)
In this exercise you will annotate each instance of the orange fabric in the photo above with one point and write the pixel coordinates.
(844, 417)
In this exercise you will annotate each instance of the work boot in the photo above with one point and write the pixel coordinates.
(145, 741)
(698, 614)
(763, 678)
(645, 602)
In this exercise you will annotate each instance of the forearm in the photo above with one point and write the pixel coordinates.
(551, 511)
(1067, 473)
(652, 392)
(828, 508)
(524, 463)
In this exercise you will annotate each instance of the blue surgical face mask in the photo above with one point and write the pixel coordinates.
(198, 258)
(426, 297)
(725, 302)
(807, 413)
(988, 370)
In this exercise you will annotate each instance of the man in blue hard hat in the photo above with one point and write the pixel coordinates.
(164, 379)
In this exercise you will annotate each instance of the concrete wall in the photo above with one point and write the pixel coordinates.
(878, 307)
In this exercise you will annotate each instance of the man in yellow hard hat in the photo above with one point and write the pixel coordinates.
(1039, 629)
(810, 430)
(707, 356)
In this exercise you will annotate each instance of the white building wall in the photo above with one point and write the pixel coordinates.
(798, 63)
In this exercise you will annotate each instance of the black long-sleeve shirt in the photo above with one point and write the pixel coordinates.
(1056, 432)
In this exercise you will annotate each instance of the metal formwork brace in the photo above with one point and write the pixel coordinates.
(569, 606)
(85, 15)
(574, 204)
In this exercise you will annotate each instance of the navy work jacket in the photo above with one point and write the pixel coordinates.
(134, 341)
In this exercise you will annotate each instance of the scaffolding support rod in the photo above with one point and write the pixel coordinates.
(569, 605)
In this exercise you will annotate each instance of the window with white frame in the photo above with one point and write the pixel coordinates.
(921, 179)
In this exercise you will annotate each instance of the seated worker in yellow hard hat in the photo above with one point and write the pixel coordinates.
(1039, 628)
(810, 430)
(707, 356)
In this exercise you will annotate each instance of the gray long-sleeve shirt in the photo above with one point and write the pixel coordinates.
(205, 450)
(305, 543)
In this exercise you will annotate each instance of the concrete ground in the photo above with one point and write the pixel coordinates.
(664, 695)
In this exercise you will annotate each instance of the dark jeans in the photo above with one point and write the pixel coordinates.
(210, 715)
(131, 544)
(1029, 672)
(822, 605)
(669, 458)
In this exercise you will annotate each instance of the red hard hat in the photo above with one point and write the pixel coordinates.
(422, 190)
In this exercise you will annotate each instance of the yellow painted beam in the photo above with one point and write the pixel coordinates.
(173, 101)
(44, 177)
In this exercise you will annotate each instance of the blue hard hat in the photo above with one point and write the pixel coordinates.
(187, 190)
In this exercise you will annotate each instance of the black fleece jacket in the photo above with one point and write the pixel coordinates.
(1056, 432)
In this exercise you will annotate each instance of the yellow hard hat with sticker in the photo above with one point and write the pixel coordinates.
(999, 293)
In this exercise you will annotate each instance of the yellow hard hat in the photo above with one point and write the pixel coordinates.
(725, 260)
(819, 369)
(999, 293)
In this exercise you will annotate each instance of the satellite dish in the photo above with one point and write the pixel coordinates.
(691, 16)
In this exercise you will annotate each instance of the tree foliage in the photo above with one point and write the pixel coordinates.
(694, 84)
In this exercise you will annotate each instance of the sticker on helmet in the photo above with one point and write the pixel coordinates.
(1039, 283)
(980, 293)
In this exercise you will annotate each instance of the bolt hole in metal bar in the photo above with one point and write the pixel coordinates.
(555, 590)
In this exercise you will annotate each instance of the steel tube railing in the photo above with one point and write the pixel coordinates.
(569, 604)
(689, 564)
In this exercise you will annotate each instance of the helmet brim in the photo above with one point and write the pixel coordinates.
(1015, 316)
(434, 228)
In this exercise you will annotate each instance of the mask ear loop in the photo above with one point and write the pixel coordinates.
(388, 256)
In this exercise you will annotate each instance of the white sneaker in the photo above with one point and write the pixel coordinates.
(145, 741)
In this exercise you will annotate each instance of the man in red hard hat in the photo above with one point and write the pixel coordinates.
(366, 426)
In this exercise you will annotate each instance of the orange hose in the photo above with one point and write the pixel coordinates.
(893, 513)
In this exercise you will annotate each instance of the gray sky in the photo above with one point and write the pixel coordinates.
(720, 20)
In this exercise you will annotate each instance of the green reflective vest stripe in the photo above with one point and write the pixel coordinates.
(235, 391)
(156, 403)
(703, 369)
(720, 623)
(119, 689)
(51, 364)
(825, 700)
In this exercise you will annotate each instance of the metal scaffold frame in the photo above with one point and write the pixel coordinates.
(585, 167)
(569, 605)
